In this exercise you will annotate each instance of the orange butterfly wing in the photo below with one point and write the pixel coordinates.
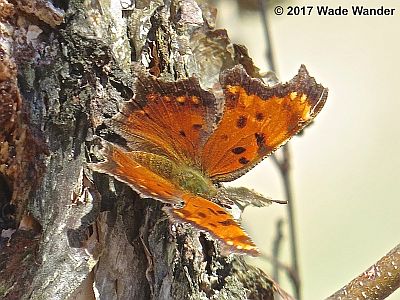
(211, 217)
(176, 117)
(258, 119)
(196, 210)
(176, 121)
(123, 166)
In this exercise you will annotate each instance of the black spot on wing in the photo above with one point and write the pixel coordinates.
(201, 215)
(212, 211)
(241, 122)
(228, 222)
(197, 126)
(260, 116)
(243, 160)
(260, 139)
(238, 150)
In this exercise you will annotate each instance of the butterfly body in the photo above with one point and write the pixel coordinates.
(193, 181)
(182, 176)
(183, 140)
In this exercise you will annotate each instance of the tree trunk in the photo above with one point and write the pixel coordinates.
(83, 235)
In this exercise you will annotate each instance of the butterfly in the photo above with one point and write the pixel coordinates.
(182, 141)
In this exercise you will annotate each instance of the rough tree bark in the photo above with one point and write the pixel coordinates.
(65, 67)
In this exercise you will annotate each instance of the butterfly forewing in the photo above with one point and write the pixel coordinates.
(177, 116)
(258, 119)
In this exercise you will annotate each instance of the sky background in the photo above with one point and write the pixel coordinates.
(346, 166)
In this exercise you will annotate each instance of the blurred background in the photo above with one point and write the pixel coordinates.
(346, 167)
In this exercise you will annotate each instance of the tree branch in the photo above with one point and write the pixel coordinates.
(377, 282)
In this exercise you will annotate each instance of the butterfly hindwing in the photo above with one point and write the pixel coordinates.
(125, 167)
(208, 216)
(147, 173)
